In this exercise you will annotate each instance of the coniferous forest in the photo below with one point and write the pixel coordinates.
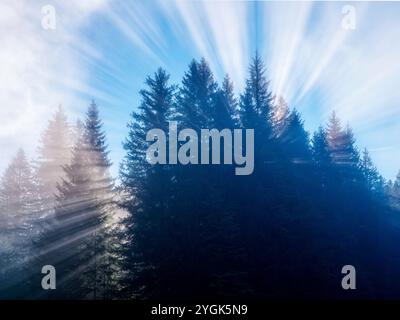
(314, 203)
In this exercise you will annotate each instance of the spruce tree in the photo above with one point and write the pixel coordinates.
(295, 139)
(372, 179)
(207, 229)
(221, 237)
(342, 150)
(19, 203)
(394, 192)
(280, 115)
(260, 193)
(195, 100)
(321, 157)
(396, 184)
(99, 272)
(147, 197)
(257, 100)
(54, 153)
(76, 240)
(320, 149)
(225, 109)
(19, 197)
(334, 134)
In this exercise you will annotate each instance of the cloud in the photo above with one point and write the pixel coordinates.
(38, 68)
(311, 60)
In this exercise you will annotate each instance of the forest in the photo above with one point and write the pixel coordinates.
(314, 203)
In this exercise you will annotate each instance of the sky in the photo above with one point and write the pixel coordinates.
(320, 56)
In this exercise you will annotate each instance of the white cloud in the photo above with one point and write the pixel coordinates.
(304, 46)
(38, 68)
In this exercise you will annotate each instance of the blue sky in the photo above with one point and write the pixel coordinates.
(104, 50)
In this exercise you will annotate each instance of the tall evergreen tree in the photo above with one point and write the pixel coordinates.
(396, 184)
(295, 139)
(372, 179)
(220, 240)
(394, 192)
(148, 194)
(320, 149)
(342, 149)
(212, 236)
(321, 156)
(260, 193)
(53, 153)
(77, 238)
(19, 196)
(195, 100)
(19, 201)
(280, 116)
(257, 100)
(225, 109)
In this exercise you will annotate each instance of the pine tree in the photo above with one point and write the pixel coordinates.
(295, 163)
(262, 97)
(101, 186)
(396, 185)
(224, 254)
(225, 109)
(18, 215)
(280, 116)
(248, 115)
(261, 192)
(295, 139)
(54, 153)
(147, 197)
(196, 96)
(372, 179)
(257, 100)
(320, 149)
(76, 240)
(19, 196)
(343, 151)
(334, 132)
(321, 156)
(394, 192)
(255, 112)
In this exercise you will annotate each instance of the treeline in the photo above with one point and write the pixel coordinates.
(312, 205)
(61, 210)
